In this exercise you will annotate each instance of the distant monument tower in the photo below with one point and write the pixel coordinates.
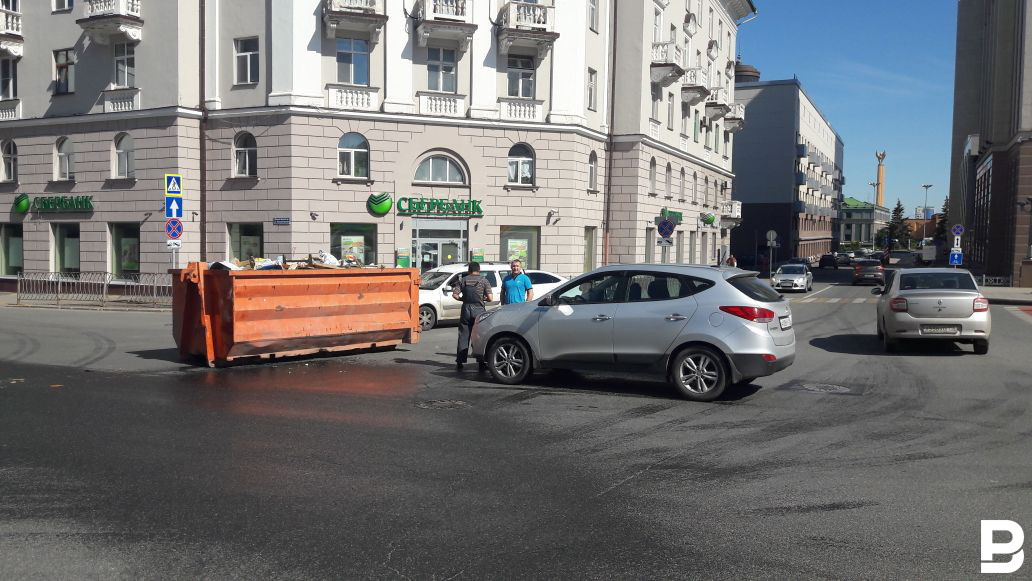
(880, 156)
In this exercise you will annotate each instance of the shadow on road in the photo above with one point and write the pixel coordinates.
(857, 344)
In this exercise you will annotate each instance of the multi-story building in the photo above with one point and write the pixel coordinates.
(991, 176)
(860, 221)
(788, 169)
(924, 212)
(551, 131)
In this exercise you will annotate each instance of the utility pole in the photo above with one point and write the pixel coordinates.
(875, 192)
(924, 223)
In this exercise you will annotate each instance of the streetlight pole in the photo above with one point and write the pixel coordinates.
(874, 211)
(924, 220)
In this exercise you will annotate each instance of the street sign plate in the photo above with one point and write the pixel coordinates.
(173, 184)
(666, 228)
(173, 207)
(956, 241)
(772, 235)
(665, 242)
(956, 259)
(174, 228)
(174, 244)
(958, 230)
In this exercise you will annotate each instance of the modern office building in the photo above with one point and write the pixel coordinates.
(860, 221)
(924, 212)
(387, 131)
(991, 171)
(788, 170)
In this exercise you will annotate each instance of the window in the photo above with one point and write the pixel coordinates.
(592, 89)
(657, 26)
(686, 117)
(650, 245)
(10, 165)
(652, 176)
(10, 5)
(521, 77)
(593, 15)
(668, 191)
(716, 139)
(695, 188)
(353, 242)
(670, 112)
(521, 165)
(756, 289)
(521, 242)
(720, 36)
(440, 169)
(680, 186)
(644, 287)
(593, 172)
(698, 126)
(64, 70)
(657, 97)
(353, 61)
(62, 5)
(125, 65)
(8, 79)
(246, 241)
(601, 288)
(440, 69)
(245, 155)
(353, 156)
(64, 160)
(125, 157)
(710, 21)
(246, 62)
(66, 245)
(590, 241)
(542, 278)
(12, 250)
(125, 249)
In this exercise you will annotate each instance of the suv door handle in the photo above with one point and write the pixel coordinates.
(601, 318)
(676, 317)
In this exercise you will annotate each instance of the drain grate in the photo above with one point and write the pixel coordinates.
(443, 404)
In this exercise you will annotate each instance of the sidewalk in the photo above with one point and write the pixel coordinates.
(115, 303)
(1003, 295)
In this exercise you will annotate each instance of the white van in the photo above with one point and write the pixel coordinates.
(436, 303)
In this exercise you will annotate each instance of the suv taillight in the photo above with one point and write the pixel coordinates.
(981, 305)
(898, 305)
(754, 314)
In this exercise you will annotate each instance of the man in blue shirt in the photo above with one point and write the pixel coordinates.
(516, 287)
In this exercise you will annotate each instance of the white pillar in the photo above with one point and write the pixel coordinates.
(484, 49)
(398, 94)
(212, 98)
(570, 70)
(296, 53)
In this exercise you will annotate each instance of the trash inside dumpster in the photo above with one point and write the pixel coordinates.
(224, 315)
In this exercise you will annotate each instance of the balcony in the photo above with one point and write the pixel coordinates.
(112, 20)
(10, 109)
(734, 121)
(527, 25)
(716, 107)
(666, 63)
(11, 40)
(352, 97)
(521, 110)
(691, 24)
(121, 99)
(654, 128)
(365, 17)
(450, 20)
(695, 86)
(713, 50)
(802, 151)
(441, 104)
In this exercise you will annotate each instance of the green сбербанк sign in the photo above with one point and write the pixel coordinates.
(435, 207)
(53, 203)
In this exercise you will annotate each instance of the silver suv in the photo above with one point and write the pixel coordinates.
(700, 327)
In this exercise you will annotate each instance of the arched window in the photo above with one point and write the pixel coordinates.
(652, 176)
(245, 155)
(593, 172)
(125, 156)
(10, 167)
(680, 187)
(440, 169)
(64, 160)
(669, 191)
(695, 187)
(521, 165)
(353, 156)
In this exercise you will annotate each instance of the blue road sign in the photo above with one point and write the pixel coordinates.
(958, 230)
(956, 258)
(174, 228)
(173, 207)
(173, 184)
(666, 228)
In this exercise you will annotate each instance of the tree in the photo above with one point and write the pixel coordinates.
(898, 230)
(942, 227)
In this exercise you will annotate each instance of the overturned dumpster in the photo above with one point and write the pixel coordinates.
(226, 315)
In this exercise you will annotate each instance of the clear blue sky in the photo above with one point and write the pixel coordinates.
(882, 73)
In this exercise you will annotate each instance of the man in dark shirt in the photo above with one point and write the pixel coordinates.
(474, 291)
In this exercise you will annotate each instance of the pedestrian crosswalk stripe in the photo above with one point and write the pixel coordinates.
(833, 300)
(826, 300)
(859, 300)
(806, 300)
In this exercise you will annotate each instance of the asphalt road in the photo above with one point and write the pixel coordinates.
(118, 462)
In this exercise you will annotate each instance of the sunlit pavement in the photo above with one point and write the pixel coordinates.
(118, 461)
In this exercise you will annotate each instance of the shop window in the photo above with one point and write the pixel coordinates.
(12, 249)
(521, 165)
(66, 247)
(440, 169)
(522, 243)
(246, 241)
(10, 162)
(125, 250)
(353, 156)
(353, 242)
(64, 160)
(245, 155)
(125, 157)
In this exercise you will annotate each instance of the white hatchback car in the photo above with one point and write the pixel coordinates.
(436, 303)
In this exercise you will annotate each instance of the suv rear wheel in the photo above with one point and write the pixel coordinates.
(508, 360)
(699, 374)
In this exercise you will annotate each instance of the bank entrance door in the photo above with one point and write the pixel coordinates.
(436, 242)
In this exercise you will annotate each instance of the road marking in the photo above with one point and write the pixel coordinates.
(806, 300)
(857, 301)
(811, 295)
(834, 300)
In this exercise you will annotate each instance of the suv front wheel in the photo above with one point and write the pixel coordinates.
(508, 360)
(699, 374)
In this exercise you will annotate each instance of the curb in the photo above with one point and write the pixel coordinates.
(89, 308)
(1010, 302)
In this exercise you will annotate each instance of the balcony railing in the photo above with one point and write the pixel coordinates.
(121, 100)
(351, 5)
(442, 104)
(654, 127)
(691, 24)
(664, 53)
(10, 110)
(694, 86)
(11, 22)
(446, 10)
(529, 16)
(352, 98)
(735, 118)
(521, 110)
(113, 8)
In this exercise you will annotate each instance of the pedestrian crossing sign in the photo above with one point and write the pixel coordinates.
(173, 184)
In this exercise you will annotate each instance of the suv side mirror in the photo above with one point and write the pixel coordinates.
(877, 291)
(548, 301)
(447, 289)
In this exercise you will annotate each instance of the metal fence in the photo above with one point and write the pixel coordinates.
(94, 288)
(994, 280)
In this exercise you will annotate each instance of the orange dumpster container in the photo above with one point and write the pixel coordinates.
(224, 315)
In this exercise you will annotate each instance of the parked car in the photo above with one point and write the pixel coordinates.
(805, 260)
(795, 277)
(701, 328)
(436, 303)
(941, 304)
(868, 270)
(901, 258)
(844, 258)
(828, 261)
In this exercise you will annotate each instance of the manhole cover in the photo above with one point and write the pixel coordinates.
(827, 388)
(443, 404)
